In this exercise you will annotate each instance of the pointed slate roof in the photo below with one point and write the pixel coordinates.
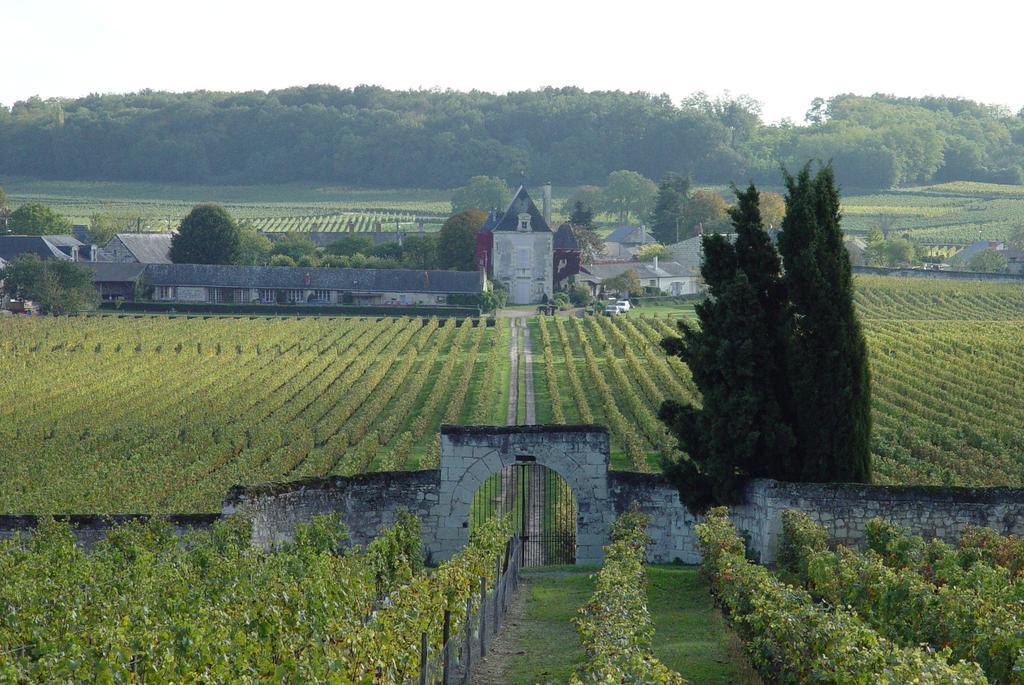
(564, 239)
(521, 203)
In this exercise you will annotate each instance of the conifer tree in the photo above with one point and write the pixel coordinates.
(828, 359)
(737, 356)
(667, 217)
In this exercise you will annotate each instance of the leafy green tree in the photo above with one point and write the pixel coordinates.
(705, 208)
(669, 213)
(350, 244)
(582, 215)
(58, 286)
(587, 196)
(3, 198)
(738, 357)
(483, 192)
(988, 261)
(254, 248)
(627, 282)
(456, 242)
(296, 246)
(828, 358)
(647, 253)
(773, 209)
(282, 260)
(207, 235)
(420, 251)
(628, 193)
(102, 227)
(34, 218)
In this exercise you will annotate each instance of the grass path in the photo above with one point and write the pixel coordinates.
(539, 643)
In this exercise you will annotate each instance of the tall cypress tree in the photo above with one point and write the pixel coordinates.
(669, 208)
(827, 360)
(737, 356)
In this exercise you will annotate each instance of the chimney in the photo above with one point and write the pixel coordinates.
(655, 262)
(700, 228)
(547, 203)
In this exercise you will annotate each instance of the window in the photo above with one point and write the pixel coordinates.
(242, 295)
(524, 222)
(322, 295)
(653, 283)
(268, 296)
(165, 292)
(523, 259)
(215, 295)
(293, 296)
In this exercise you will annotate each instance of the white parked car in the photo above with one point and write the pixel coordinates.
(612, 309)
(624, 305)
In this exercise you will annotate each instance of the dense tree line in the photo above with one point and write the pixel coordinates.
(373, 137)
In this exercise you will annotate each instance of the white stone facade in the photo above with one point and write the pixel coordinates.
(523, 263)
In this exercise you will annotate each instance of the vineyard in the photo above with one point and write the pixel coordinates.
(857, 627)
(949, 212)
(157, 414)
(964, 602)
(355, 223)
(144, 606)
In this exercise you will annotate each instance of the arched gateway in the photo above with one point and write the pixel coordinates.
(472, 454)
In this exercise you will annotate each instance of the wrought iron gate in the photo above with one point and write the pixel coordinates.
(542, 508)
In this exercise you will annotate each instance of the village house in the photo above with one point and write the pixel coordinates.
(625, 241)
(140, 248)
(663, 277)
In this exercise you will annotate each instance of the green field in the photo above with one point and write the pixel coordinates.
(164, 414)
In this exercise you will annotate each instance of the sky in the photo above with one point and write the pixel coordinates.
(782, 53)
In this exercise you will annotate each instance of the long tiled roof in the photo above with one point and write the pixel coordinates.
(288, 277)
(12, 246)
(116, 272)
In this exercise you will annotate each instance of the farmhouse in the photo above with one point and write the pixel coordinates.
(667, 277)
(140, 248)
(297, 285)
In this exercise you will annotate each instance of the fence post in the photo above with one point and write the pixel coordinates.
(483, 617)
(423, 658)
(445, 661)
(469, 640)
(497, 592)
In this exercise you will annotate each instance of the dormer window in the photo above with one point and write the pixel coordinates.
(524, 222)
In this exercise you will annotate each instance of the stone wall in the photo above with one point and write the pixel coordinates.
(844, 509)
(367, 503)
(469, 455)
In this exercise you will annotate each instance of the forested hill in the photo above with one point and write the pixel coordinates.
(372, 137)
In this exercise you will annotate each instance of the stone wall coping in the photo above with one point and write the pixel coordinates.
(239, 492)
(888, 493)
(453, 429)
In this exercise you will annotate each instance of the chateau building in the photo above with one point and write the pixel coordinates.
(517, 248)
